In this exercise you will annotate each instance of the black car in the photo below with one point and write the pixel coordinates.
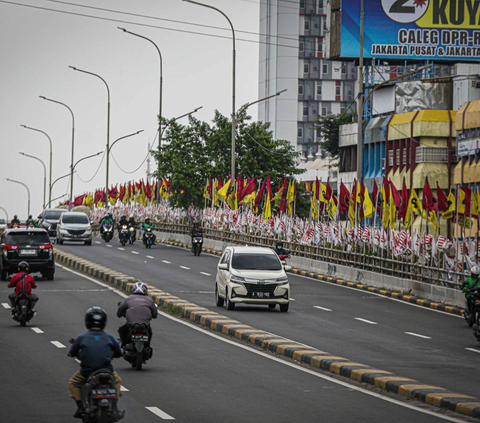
(30, 245)
(49, 219)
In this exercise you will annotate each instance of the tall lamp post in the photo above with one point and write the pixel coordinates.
(233, 82)
(50, 141)
(28, 191)
(73, 144)
(44, 174)
(6, 213)
(108, 115)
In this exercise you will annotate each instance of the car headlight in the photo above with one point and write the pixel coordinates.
(237, 279)
(282, 281)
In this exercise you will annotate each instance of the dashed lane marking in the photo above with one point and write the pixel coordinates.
(160, 413)
(37, 330)
(58, 344)
(473, 350)
(134, 252)
(418, 335)
(166, 261)
(365, 321)
(123, 389)
(150, 257)
(97, 242)
(322, 308)
(121, 249)
(109, 246)
(205, 273)
(185, 267)
(5, 305)
(78, 361)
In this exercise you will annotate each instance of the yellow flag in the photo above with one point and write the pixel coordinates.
(215, 195)
(393, 210)
(249, 198)
(222, 192)
(331, 208)
(448, 214)
(475, 204)
(267, 209)
(367, 204)
(461, 201)
(206, 194)
(314, 202)
(414, 207)
(232, 200)
(323, 190)
(290, 197)
(385, 208)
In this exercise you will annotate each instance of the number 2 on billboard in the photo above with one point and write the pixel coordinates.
(405, 11)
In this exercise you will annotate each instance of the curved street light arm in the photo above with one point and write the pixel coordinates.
(28, 191)
(44, 174)
(85, 158)
(179, 117)
(5, 211)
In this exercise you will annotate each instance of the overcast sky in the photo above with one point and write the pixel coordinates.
(37, 46)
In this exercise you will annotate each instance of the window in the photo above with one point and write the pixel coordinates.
(302, 4)
(75, 218)
(302, 46)
(325, 68)
(324, 25)
(300, 132)
(305, 68)
(319, 90)
(320, 46)
(344, 68)
(305, 110)
(337, 90)
(342, 110)
(247, 261)
(300, 90)
(307, 25)
(324, 111)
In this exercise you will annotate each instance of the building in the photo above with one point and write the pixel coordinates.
(292, 58)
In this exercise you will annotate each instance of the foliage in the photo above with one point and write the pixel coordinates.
(189, 154)
(328, 128)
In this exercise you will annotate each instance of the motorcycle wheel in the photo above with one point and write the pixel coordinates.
(103, 416)
(123, 243)
(199, 250)
(139, 362)
(23, 320)
(468, 318)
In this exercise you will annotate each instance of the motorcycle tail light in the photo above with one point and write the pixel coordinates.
(104, 380)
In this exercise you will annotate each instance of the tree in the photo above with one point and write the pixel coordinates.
(329, 129)
(191, 153)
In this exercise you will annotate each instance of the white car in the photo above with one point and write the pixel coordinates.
(251, 275)
(74, 226)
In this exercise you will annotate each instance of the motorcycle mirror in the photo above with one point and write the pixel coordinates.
(71, 340)
(119, 303)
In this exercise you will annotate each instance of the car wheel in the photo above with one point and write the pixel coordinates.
(284, 307)
(271, 305)
(88, 242)
(218, 300)
(59, 241)
(3, 275)
(50, 275)
(229, 304)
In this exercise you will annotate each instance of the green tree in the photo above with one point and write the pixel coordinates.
(328, 128)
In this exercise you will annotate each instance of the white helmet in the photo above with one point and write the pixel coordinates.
(140, 288)
(475, 271)
(131, 216)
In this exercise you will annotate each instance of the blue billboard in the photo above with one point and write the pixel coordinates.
(411, 29)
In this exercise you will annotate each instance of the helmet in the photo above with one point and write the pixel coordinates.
(131, 216)
(23, 266)
(123, 216)
(15, 216)
(475, 271)
(95, 317)
(140, 288)
(147, 219)
(109, 215)
(279, 244)
(29, 216)
(195, 223)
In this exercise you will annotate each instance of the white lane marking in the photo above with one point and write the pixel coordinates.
(97, 242)
(205, 273)
(150, 257)
(185, 267)
(473, 350)
(58, 344)
(6, 306)
(160, 413)
(166, 261)
(108, 245)
(418, 335)
(121, 249)
(123, 389)
(37, 330)
(365, 320)
(78, 361)
(134, 252)
(322, 308)
(312, 372)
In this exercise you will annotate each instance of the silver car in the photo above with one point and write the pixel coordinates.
(75, 227)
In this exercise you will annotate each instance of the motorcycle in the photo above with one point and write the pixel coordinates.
(148, 238)
(107, 233)
(283, 259)
(132, 234)
(23, 308)
(123, 235)
(137, 350)
(197, 242)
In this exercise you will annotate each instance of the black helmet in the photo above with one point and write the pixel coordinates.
(279, 244)
(23, 266)
(95, 317)
(147, 218)
(195, 223)
(15, 216)
(30, 216)
(123, 216)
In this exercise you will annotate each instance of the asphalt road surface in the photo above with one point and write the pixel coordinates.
(411, 341)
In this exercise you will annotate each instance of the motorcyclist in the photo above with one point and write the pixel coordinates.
(95, 349)
(469, 287)
(144, 228)
(131, 221)
(136, 308)
(196, 230)
(132, 224)
(123, 221)
(106, 220)
(280, 250)
(22, 282)
(30, 221)
(14, 221)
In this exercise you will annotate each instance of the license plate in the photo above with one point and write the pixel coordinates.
(139, 338)
(28, 252)
(104, 393)
(261, 294)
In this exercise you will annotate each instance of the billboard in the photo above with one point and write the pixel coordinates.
(408, 29)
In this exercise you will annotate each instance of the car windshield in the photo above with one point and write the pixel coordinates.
(256, 262)
(27, 238)
(53, 214)
(2, 222)
(75, 218)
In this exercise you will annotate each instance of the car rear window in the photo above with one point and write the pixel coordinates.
(75, 218)
(256, 262)
(27, 238)
(2, 222)
(53, 215)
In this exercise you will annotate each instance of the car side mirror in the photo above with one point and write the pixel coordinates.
(223, 266)
(119, 303)
(287, 268)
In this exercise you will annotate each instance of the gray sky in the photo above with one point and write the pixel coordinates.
(36, 48)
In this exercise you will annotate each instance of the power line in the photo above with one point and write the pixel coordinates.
(125, 171)
(142, 25)
(95, 174)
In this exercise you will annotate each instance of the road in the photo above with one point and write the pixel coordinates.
(194, 376)
(411, 341)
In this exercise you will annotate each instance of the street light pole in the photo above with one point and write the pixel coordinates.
(108, 115)
(50, 141)
(179, 117)
(73, 145)
(233, 82)
(51, 187)
(6, 213)
(44, 174)
(28, 191)
(258, 101)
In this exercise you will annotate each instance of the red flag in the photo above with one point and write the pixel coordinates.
(79, 200)
(259, 196)
(376, 199)
(317, 189)
(249, 188)
(386, 185)
(283, 197)
(468, 200)
(329, 191)
(442, 200)
(397, 199)
(428, 200)
(344, 198)
(123, 191)
(402, 209)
